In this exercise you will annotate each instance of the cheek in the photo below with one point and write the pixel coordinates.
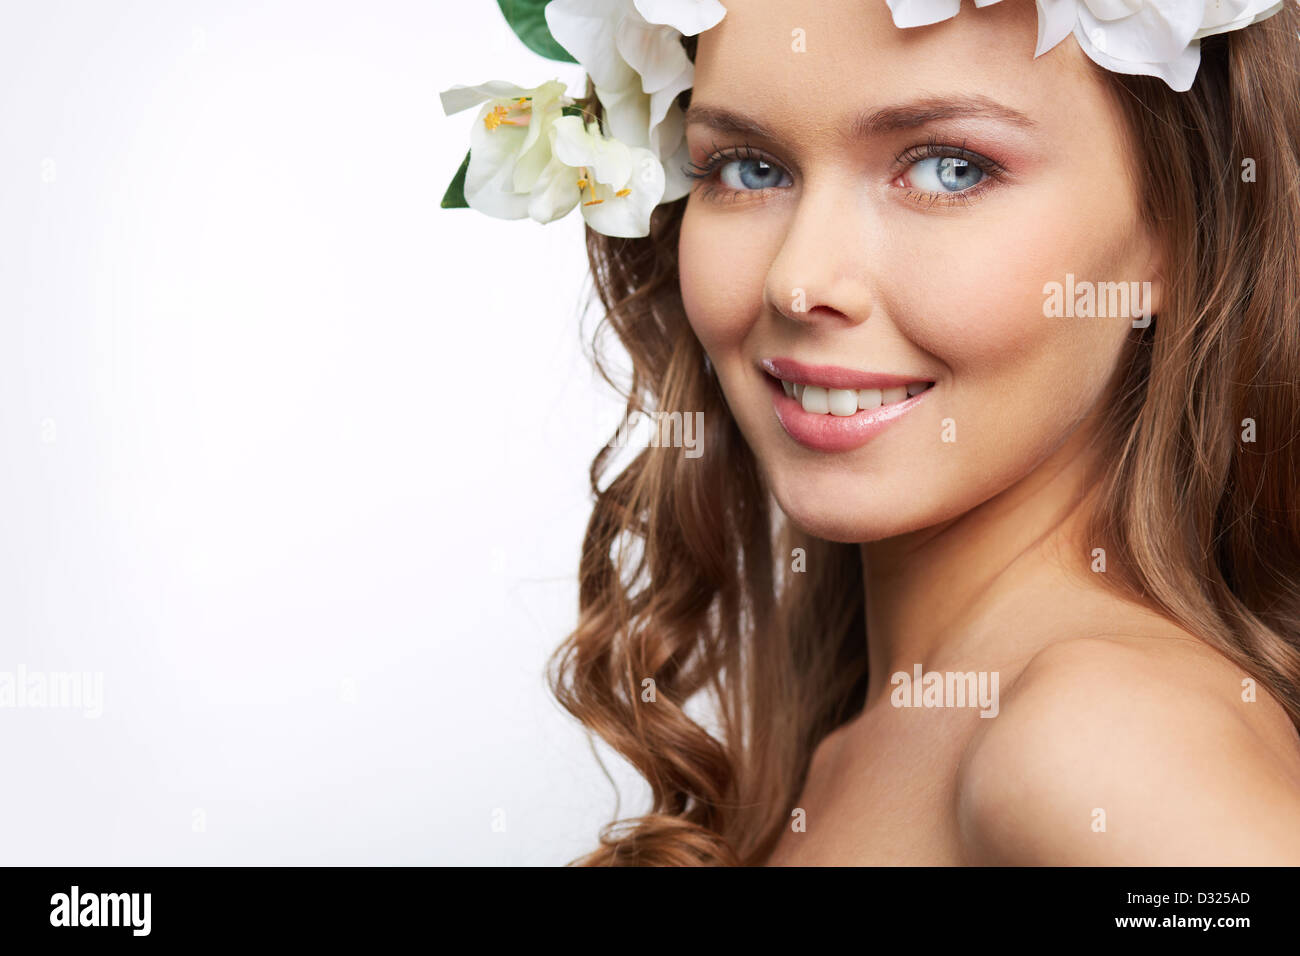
(722, 276)
(978, 307)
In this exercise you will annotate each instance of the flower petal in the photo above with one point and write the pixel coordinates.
(687, 17)
(667, 135)
(1115, 9)
(548, 101)
(654, 52)
(1178, 72)
(920, 13)
(461, 97)
(1222, 17)
(676, 183)
(627, 114)
(609, 161)
(1157, 33)
(490, 178)
(555, 193)
(587, 29)
(1056, 19)
(628, 216)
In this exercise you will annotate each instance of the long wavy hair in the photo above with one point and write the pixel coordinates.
(680, 580)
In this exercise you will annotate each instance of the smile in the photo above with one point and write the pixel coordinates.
(828, 408)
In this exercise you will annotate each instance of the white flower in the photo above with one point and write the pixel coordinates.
(1150, 37)
(618, 185)
(632, 51)
(510, 146)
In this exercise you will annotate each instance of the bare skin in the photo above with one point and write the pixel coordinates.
(1126, 713)
(975, 555)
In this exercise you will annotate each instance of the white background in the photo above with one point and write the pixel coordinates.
(293, 457)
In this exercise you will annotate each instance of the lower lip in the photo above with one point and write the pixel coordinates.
(835, 432)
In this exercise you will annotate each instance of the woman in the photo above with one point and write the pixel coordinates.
(984, 560)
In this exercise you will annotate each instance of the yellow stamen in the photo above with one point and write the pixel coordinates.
(622, 192)
(499, 113)
(592, 202)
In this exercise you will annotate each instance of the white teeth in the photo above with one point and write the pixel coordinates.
(815, 400)
(844, 402)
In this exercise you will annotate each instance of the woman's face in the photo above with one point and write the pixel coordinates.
(907, 199)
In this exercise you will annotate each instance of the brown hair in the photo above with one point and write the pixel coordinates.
(679, 580)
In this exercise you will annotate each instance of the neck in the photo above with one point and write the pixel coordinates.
(926, 590)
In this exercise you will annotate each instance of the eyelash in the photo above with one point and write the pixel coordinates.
(703, 172)
(994, 172)
(931, 149)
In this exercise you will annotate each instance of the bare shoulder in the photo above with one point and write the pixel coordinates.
(1132, 751)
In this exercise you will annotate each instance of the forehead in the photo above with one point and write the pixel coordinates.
(809, 64)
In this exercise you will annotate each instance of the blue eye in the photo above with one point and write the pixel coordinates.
(946, 174)
(740, 170)
(744, 175)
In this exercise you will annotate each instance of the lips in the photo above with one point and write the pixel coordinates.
(832, 376)
(830, 408)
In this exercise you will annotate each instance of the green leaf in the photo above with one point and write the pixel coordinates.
(454, 197)
(527, 19)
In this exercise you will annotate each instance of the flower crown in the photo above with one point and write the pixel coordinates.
(537, 153)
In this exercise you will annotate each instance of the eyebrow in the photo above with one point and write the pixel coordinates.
(873, 122)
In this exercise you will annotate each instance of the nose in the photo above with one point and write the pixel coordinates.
(823, 273)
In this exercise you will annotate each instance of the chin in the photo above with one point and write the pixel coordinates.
(848, 510)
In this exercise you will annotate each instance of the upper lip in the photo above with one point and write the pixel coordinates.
(835, 376)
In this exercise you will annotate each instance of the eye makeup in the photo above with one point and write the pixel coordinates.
(960, 160)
